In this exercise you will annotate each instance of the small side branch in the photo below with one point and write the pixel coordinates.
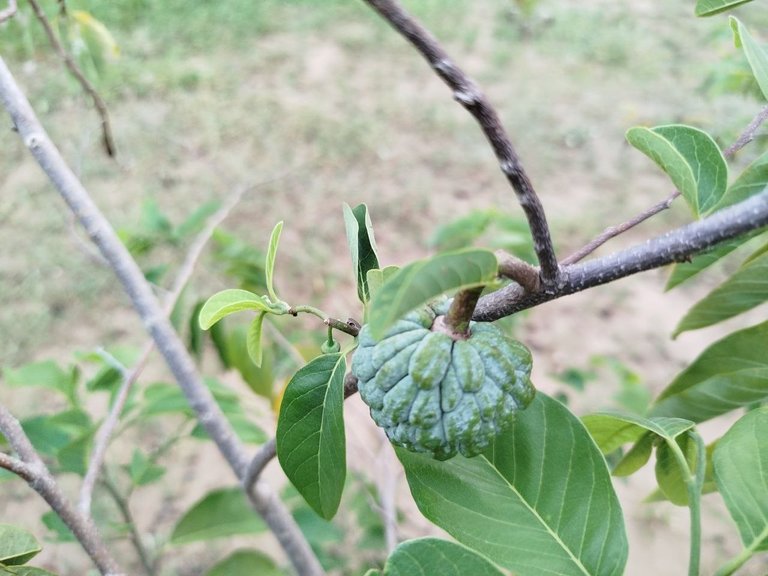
(9, 12)
(129, 377)
(748, 134)
(675, 246)
(33, 470)
(469, 95)
(98, 101)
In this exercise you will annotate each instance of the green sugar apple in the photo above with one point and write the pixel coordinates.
(436, 394)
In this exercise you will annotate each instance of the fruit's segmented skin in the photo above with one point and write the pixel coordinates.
(436, 395)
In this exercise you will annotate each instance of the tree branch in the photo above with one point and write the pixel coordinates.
(33, 470)
(167, 341)
(469, 95)
(611, 232)
(129, 377)
(9, 12)
(101, 107)
(675, 246)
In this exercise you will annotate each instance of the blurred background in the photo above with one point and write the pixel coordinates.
(310, 104)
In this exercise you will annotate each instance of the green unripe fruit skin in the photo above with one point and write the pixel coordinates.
(433, 394)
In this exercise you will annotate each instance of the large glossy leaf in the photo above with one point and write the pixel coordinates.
(732, 372)
(756, 55)
(218, 514)
(17, 546)
(362, 246)
(269, 268)
(420, 281)
(745, 289)
(691, 159)
(712, 7)
(540, 501)
(310, 433)
(435, 556)
(246, 563)
(741, 473)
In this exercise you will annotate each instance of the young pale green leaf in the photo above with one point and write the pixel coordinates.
(373, 572)
(732, 372)
(756, 55)
(253, 340)
(362, 246)
(436, 556)
(690, 157)
(310, 433)
(218, 514)
(740, 463)
(462, 232)
(23, 571)
(376, 278)
(142, 470)
(246, 563)
(228, 302)
(744, 290)
(712, 7)
(17, 546)
(269, 267)
(420, 281)
(539, 501)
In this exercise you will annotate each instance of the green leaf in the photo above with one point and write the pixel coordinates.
(54, 523)
(462, 232)
(420, 281)
(253, 340)
(670, 477)
(540, 501)
(376, 278)
(435, 556)
(269, 267)
(373, 572)
(246, 563)
(712, 7)
(228, 302)
(691, 159)
(310, 433)
(637, 457)
(756, 55)
(142, 470)
(24, 571)
(195, 222)
(362, 246)
(17, 546)
(73, 457)
(246, 431)
(220, 513)
(741, 462)
(50, 434)
(751, 181)
(47, 374)
(611, 430)
(260, 379)
(744, 290)
(732, 372)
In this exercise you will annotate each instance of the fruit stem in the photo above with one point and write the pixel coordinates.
(461, 310)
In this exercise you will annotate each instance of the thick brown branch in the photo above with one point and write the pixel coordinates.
(518, 271)
(675, 246)
(98, 101)
(469, 95)
(9, 12)
(456, 322)
(144, 301)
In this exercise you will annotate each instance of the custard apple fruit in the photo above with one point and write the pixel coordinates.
(433, 394)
